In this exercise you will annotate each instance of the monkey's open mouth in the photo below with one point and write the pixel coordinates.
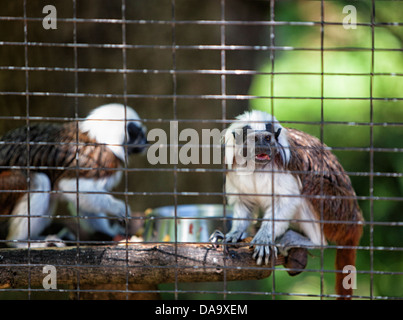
(262, 157)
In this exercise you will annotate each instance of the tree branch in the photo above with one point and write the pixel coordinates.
(136, 263)
(147, 263)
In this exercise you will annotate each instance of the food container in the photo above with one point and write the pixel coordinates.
(193, 223)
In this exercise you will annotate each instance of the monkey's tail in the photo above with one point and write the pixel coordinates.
(344, 257)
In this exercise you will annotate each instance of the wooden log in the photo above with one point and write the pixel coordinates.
(138, 263)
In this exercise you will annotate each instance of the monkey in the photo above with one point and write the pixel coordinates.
(79, 162)
(297, 182)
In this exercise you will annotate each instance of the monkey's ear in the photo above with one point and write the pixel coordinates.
(277, 134)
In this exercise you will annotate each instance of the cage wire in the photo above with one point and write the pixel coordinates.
(198, 65)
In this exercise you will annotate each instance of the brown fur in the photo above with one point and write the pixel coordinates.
(52, 151)
(322, 175)
(11, 180)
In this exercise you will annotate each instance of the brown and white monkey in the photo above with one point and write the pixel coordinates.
(296, 182)
(65, 158)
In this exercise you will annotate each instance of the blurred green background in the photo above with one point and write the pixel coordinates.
(66, 78)
(347, 113)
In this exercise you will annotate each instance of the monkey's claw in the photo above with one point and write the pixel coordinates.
(234, 236)
(264, 252)
(216, 237)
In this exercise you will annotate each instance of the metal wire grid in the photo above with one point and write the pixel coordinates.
(223, 97)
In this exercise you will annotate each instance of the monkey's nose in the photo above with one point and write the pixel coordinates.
(263, 139)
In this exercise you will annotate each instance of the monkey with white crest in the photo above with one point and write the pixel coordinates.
(79, 162)
(295, 181)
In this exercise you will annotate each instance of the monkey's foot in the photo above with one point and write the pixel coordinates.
(54, 241)
(48, 241)
(290, 240)
(293, 246)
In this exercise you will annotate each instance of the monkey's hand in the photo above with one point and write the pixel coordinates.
(263, 247)
(234, 236)
(216, 237)
(119, 208)
(231, 237)
(261, 241)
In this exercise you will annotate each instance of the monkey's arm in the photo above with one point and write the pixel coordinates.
(92, 197)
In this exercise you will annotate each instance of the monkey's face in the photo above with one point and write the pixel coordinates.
(260, 146)
(136, 138)
(259, 142)
(265, 146)
(118, 127)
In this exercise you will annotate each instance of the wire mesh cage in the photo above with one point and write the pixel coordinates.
(178, 72)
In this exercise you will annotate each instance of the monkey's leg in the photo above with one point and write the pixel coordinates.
(32, 217)
(13, 184)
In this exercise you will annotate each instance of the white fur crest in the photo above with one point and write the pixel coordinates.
(257, 120)
(107, 124)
